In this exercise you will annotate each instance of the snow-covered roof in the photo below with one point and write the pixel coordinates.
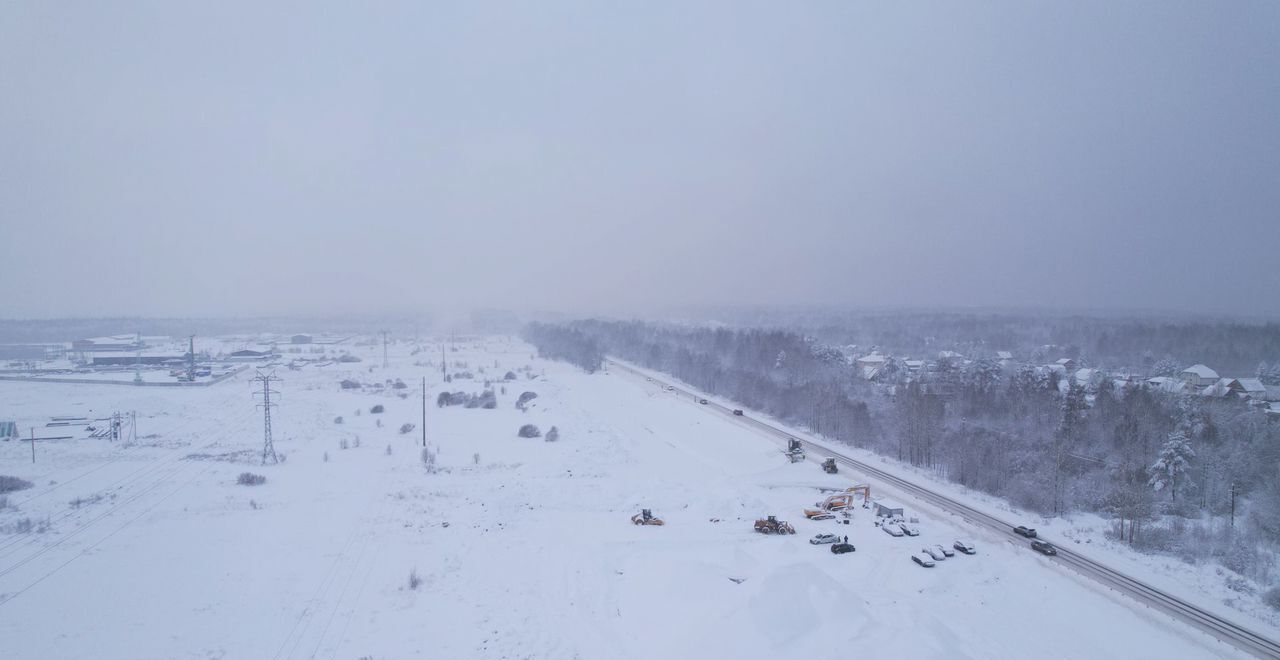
(1251, 385)
(1065, 361)
(1167, 384)
(1219, 389)
(1273, 408)
(1004, 355)
(1084, 376)
(1200, 371)
(1056, 368)
(873, 358)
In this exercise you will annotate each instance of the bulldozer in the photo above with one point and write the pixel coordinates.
(829, 466)
(646, 517)
(842, 501)
(794, 451)
(772, 525)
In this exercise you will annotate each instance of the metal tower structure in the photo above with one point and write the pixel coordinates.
(268, 449)
(191, 358)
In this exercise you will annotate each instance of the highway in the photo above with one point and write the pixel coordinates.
(1219, 628)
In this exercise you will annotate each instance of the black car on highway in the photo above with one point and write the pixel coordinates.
(1044, 548)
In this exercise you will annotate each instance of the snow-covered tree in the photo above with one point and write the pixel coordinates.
(1172, 465)
(1166, 367)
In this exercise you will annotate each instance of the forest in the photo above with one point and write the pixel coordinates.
(1184, 475)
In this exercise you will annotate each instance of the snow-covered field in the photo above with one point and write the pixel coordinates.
(523, 548)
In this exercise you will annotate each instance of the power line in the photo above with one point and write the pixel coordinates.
(268, 448)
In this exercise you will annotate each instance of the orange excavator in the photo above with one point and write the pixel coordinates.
(772, 525)
(842, 501)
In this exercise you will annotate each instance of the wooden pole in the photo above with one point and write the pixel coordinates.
(33, 444)
(424, 411)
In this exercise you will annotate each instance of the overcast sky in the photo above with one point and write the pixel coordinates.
(249, 158)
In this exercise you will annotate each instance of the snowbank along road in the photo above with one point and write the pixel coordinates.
(1221, 629)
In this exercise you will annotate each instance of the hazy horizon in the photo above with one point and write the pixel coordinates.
(247, 160)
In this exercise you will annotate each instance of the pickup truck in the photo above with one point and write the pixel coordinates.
(1022, 530)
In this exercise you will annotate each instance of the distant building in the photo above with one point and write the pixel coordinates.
(1250, 387)
(32, 351)
(869, 365)
(1167, 384)
(118, 359)
(1067, 364)
(1004, 356)
(300, 339)
(247, 355)
(1198, 375)
(112, 343)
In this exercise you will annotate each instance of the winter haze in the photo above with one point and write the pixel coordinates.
(252, 158)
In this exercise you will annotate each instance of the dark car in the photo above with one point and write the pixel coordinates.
(737, 412)
(1044, 548)
(841, 548)
(1025, 531)
(702, 401)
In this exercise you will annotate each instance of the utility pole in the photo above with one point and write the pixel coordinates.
(191, 359)
(268, 449)
(133, 426)
(424, 411)
(33, 444)
(384, 349)
(444, 365)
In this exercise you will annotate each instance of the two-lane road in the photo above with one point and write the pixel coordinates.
(1221, 629)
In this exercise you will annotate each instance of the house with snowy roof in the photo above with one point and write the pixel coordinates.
(1198, 375)
(1248, 387)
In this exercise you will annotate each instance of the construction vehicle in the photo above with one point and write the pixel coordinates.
(842, 501)
(772, 525)
(646, 517)
(829, 466)
(794, 451)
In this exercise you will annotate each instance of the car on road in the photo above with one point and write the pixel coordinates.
(737, 412)
(892, 530)
(923, 559)
(842, 548)
(1044, 548)
(702, 401)
(824, 538)
(934, 552)
(1023, 530)
(909, 530)
(966, 547)
(671, 388)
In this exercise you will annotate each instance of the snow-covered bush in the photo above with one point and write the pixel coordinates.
(553, 434)
(510, 375)
(349, 384)
(250, 479)
(9, 484)
(414, 580)
(337, 420)
(529, 431)
(405, 428)
(378, 409)
(1272, 597)
(525, 398)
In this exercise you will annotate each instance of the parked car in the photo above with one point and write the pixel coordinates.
(824, 538)
(892, 530)
(1025, 531)
(842, 548)
(934, 552)
(966, 547)
(946, 552)
(908, 529)
(1044, 548)
(702, 401)
(737, 412)
(923, 559)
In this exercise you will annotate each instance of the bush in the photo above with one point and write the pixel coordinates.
(525, 398)
(414, 580)
(399, 384)
(406, 428)
(10, 484)
(511, 375)
(1272, 597)
(348, 358)
(553, 434)
(376, 410)
(250, 479)
(529, 431)
(337, 420)
(349, 384)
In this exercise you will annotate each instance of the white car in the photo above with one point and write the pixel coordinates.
(891, 530)
(824, 538)
(966, 547)
(945, 550)
(923, 559)
(909, 530)
(934, 552)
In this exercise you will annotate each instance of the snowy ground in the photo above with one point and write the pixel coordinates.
(523, 547)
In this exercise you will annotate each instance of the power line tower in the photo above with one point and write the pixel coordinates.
(268, 449)
(191, 359)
